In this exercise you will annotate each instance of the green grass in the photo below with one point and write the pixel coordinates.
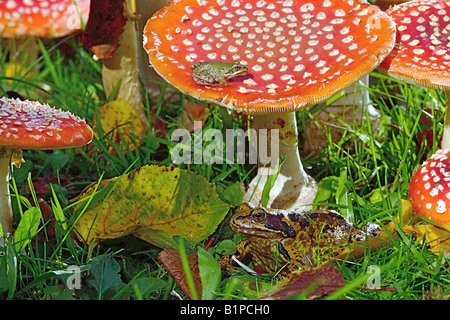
(369, 180)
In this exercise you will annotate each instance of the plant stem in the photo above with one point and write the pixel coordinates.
(445, 144)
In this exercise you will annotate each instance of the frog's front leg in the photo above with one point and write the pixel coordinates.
(223, 82)
(242, 250)
(214, 80)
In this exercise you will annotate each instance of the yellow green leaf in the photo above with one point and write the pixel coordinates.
(436, 236)
(153, 203)
(120, 118)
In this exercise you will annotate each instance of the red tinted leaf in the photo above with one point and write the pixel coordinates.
(170, 259)
(314, 283)
(104, 27)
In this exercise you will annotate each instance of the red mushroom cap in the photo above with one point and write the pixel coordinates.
(42, 18)
(297, 52)
(422, 51)
(31, 125)
(429, 189)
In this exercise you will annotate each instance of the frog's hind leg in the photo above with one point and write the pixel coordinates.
(300, 261)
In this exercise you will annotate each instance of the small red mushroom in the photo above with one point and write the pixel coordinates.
(31, 125)
(429, 189)
(298, 53)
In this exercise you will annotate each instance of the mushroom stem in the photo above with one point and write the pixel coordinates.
(123, 66)
(293, 188)
(148, 76)
(23, 54)
(445, 144)
(6, 214)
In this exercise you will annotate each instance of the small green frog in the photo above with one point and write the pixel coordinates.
(216, 73)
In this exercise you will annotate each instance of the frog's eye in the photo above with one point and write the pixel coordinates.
(258, 215)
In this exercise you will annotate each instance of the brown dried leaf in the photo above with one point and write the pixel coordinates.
(49, 225)
(194, 112)
(314, 283)
(104, 27)
(170, 259)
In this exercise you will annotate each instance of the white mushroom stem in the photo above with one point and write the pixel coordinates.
(356, 94)
(24, 52)
(6, 214)
(353, 107)
(445, 144)
(357, 100)
(148, 76)
(294, 188)
(123, 66)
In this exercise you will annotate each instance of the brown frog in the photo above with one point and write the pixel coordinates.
(278, 237)
(217, 73)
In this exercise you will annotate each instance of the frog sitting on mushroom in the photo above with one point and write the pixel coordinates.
(296, 54)
(213, 73)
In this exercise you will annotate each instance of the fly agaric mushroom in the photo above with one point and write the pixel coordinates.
(422, 51)
(25, 19)
(429, 189)
(31, 125)
(297, 53)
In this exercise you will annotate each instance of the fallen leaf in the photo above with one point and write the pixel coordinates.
(153, 203)
(437, 292)
(436, 236)
(170, 259)
(158, 124)
(104, 27)
(437, 239)
(425, 139)
(15, 70)
(121, 119)
(314, 283)
(41, 185)
(194, 112)
(48, 233)
(49, 221)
